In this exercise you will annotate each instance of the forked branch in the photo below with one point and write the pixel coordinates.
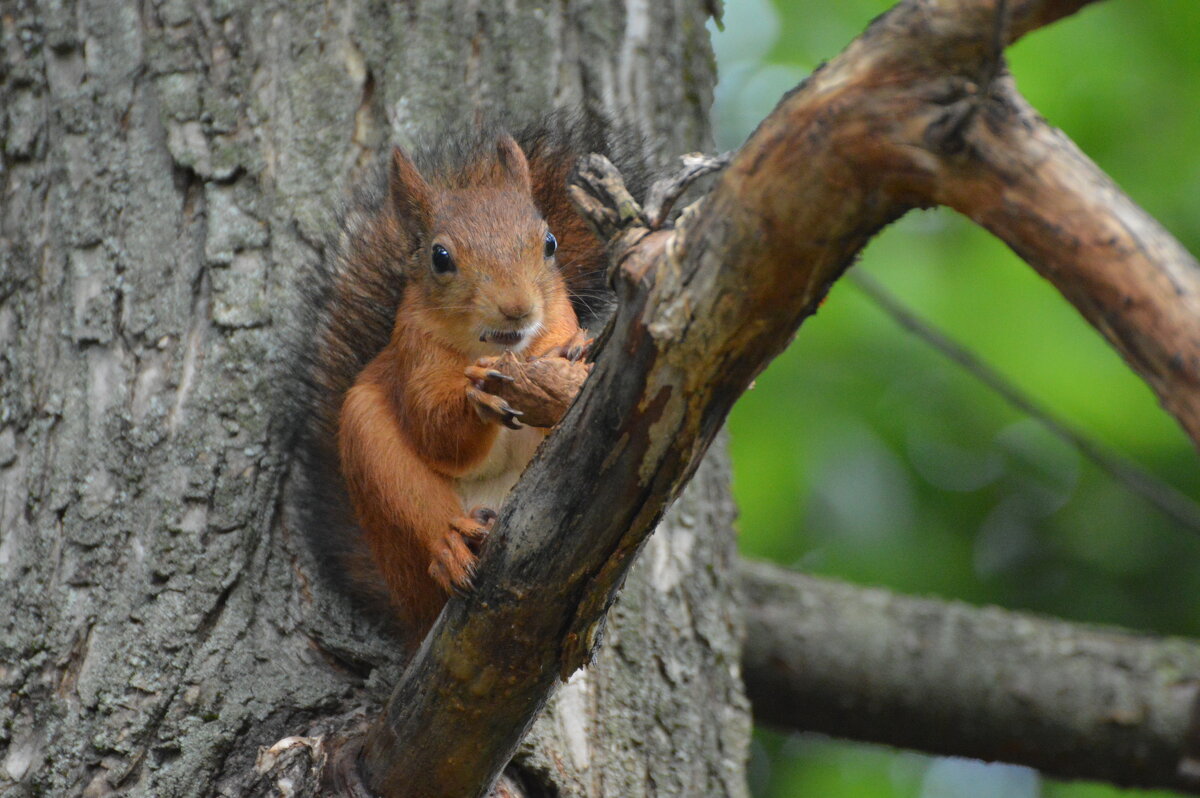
(903, 118)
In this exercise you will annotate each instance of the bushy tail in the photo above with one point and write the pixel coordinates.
(351, 298)
(349, 309)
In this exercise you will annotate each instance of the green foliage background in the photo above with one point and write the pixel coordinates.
(864, 454)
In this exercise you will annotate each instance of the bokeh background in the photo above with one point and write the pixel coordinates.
(865, 454)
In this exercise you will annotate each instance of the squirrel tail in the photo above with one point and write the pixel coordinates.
(348, 309)
(351, 296)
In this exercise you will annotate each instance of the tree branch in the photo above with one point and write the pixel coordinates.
(702, 310)
(1031, 186)
(1071, 700)
(1029, 15)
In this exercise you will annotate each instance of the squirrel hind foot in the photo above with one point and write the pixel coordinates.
(453, 563)
(475, 527)
(484, 516)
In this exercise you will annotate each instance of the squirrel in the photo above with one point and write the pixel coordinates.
(463, 251)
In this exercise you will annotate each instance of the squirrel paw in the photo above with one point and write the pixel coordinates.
(484, 376)
(492, 408)
(475, 528)
(453, 563)
(573, 350)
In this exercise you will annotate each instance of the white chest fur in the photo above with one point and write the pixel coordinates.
(494, 477)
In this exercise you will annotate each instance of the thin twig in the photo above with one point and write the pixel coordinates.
(1130, 475)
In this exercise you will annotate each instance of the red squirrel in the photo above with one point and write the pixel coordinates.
(471, 249)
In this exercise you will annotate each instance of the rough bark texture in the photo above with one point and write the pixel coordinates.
(671, 621)
(1123, 272)
(168, 169)
(900, 119)
(951, 679)
(917, 112)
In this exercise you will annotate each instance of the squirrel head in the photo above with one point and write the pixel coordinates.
(480, 274)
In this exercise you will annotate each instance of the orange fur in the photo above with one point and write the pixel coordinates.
(394, 444)
(412, 427)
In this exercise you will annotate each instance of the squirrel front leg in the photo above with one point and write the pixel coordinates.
(412, 518)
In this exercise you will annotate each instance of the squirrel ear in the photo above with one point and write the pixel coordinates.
(408, 192)
(513, 162)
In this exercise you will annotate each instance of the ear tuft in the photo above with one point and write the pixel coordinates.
(408, 193)
(513, 163)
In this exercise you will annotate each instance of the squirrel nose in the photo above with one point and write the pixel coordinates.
(515, 311)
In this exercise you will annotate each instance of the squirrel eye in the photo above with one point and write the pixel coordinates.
(551, 243)
(442, 262)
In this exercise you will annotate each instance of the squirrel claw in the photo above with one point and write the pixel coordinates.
(492, 407)
(573, 350)
(480, 373)
(475, 527)
(453, 563)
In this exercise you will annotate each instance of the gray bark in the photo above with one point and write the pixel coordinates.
(916, 110)
(168, 171)
(673, 622)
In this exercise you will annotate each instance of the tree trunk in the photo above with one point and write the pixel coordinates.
(168, 171)
(912, 113)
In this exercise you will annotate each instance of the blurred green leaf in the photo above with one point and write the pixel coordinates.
(864, 454)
